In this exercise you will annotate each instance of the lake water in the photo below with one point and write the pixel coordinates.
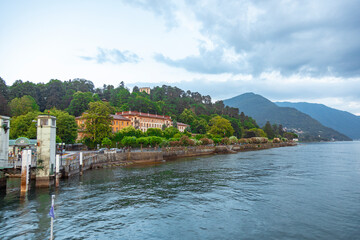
(311, 191)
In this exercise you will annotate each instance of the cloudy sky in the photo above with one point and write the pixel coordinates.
(285, 50)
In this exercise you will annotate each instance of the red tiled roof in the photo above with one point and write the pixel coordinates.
(119, 117)
(135, 113)
(182, 124)
(116, 117)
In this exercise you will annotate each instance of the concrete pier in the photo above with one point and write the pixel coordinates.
(4, 141)
(46, 150)
(4, 149)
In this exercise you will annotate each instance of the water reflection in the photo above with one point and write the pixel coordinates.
(292, 193)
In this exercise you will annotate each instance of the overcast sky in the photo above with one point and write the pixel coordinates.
(284, 50)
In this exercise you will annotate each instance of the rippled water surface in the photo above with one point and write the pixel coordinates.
(311, 191)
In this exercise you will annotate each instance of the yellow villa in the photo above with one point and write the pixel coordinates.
(143, 121)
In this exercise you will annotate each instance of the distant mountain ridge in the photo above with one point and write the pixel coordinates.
(341, 121)
(263, 110)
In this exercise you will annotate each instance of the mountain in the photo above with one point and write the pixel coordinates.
(341, 121)
(263, 110)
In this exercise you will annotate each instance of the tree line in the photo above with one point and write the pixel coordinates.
(23, 101)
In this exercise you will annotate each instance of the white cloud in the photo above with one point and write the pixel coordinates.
(305, 50)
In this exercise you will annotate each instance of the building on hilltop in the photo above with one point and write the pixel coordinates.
(182, 126)
(145, 89)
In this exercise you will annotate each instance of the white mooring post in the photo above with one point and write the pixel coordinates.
(28, 166)
(25, 170)
(52, 215)
(81, 163)
(57, 170)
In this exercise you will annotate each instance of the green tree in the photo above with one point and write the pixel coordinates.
(221, 127)
(290, 135)
(80, 102)
(269, 130)
(135, 89)
(281, 130)
(144, 104)
(58, 139)
(200, 126)
(174, 123)
(143, 141)
(4, 90)
(98, 121)
(155, 141)
(254, 132)
(131, 131)
(119, 96)
(80, 84)
(23, 126)
(66, 127)
(23, 105)
(106, 142)
(154, 132)
(170, 132)
(187, 116)
(54, 93)
(129, 141)
(20, 89)
(236, 124)
(4, 108)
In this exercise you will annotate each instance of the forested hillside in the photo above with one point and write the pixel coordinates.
(344, 122)
(73, 97)
(263, 110)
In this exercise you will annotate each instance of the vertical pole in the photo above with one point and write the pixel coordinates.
(28, 166)
(24, 174)
(57, 170)
(81, 163)
(52, 219)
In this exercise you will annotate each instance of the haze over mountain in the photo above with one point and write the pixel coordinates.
(263, 110)
(341, 121)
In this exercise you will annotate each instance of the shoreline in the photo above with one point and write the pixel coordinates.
(92, 160)
(108, 160)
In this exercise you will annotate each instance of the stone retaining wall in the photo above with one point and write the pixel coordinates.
(179, 152)
(94, 160)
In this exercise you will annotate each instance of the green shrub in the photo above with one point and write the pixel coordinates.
(199, 136)
(186, 141)
(144, 141)
(217, 140)
(164, 143)
(276, 140)
(175, 143)
(225, 141)
(206, 141)
(243, 140)
(106, 142)
(233, 140)
(129, 141)
(155, 141)
(178, 135)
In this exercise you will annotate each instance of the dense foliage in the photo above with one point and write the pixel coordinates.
(79, 97)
